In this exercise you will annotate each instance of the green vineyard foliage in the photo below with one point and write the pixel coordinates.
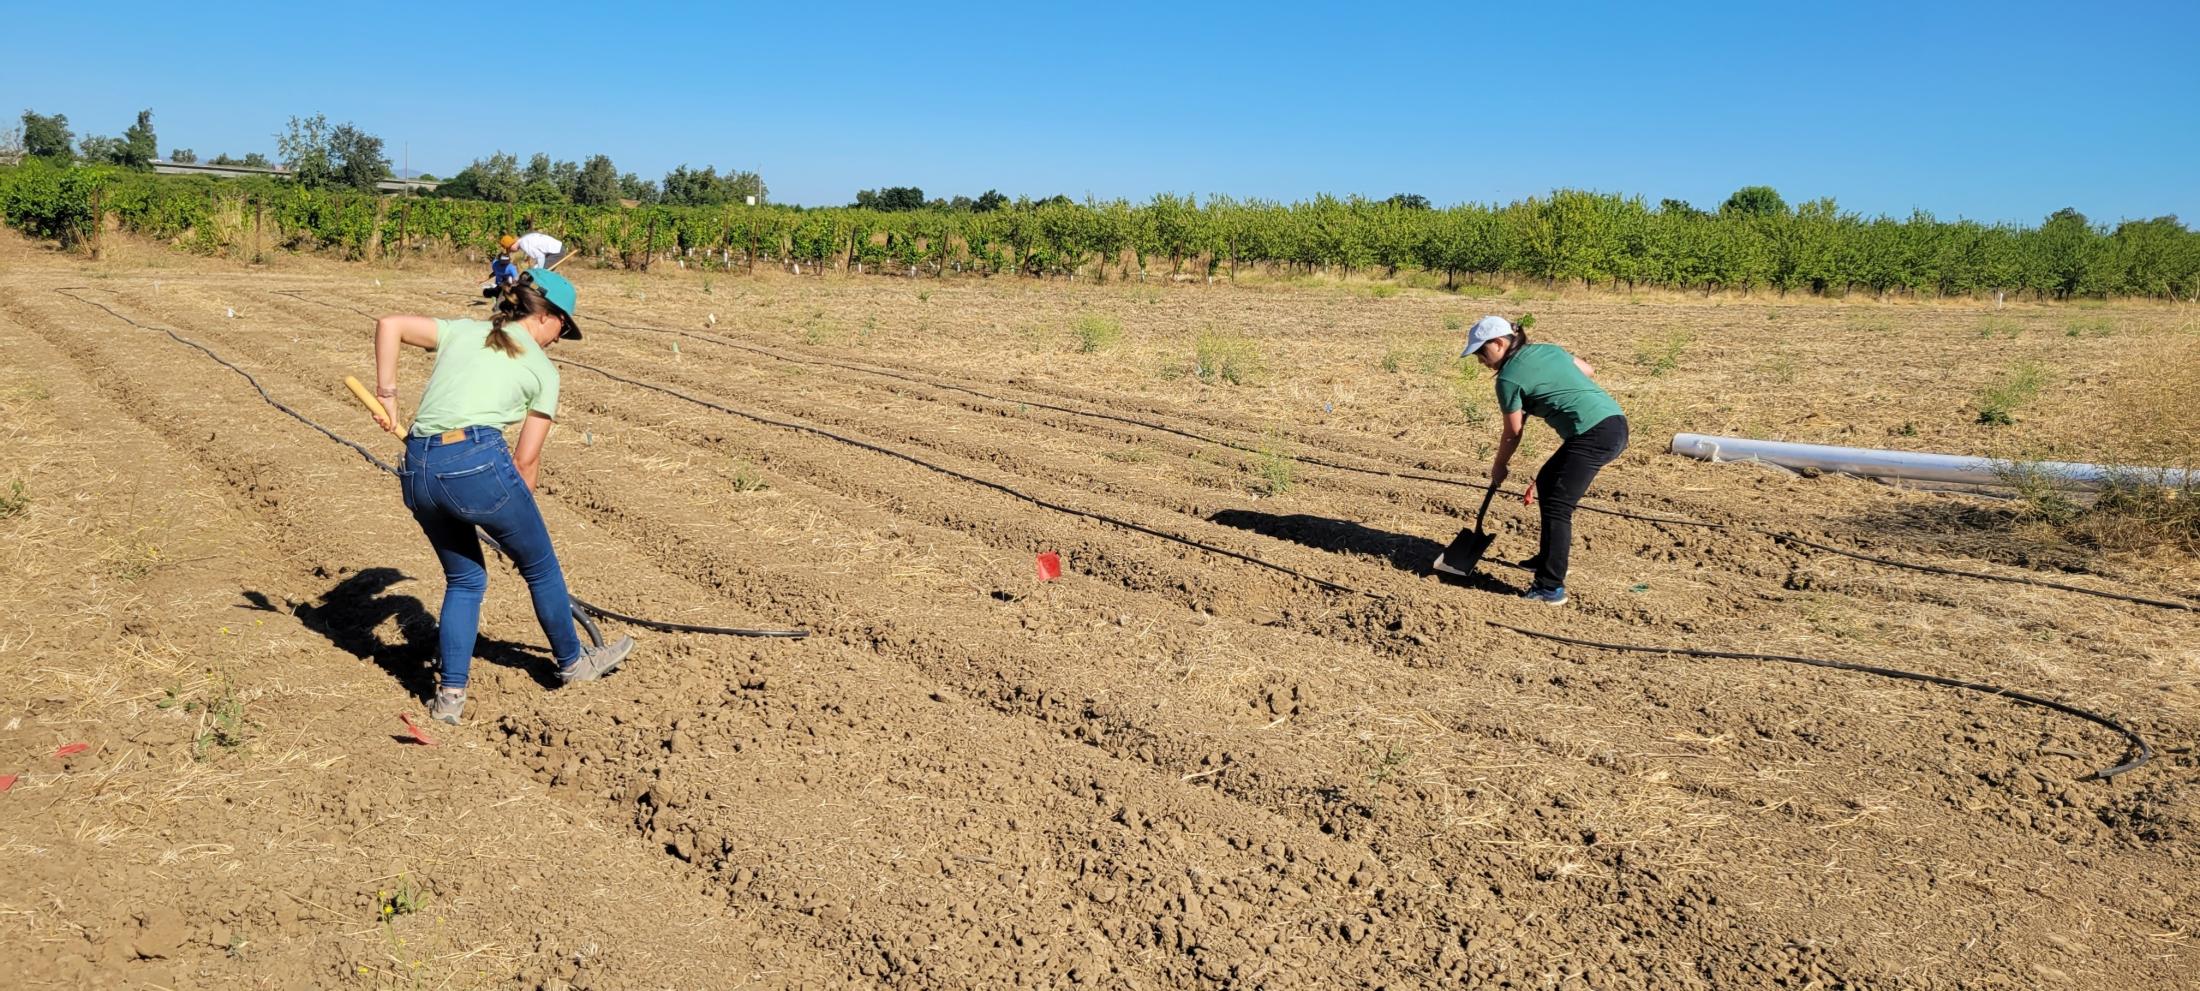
(1568, 237)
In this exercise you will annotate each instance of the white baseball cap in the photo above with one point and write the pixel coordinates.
(1484, 331)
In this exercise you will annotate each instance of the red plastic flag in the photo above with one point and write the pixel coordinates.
(1050, 566)
(70, 749)
(415, 730)
(7, 781)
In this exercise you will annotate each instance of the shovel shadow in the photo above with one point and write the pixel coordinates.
(351, 611)
(1405, 552)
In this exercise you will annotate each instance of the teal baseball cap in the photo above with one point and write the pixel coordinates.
(559, 291)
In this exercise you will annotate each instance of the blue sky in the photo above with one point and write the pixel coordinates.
(1995, 111)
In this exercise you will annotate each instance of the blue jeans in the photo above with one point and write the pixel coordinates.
(453, 488)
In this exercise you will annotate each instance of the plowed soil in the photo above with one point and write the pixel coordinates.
(1245, 741)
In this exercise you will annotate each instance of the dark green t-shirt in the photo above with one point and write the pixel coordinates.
(1542, 380)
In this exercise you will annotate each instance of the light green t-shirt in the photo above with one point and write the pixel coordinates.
(1542, 380)
(473, 384)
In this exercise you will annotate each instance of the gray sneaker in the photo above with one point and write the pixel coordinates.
(446, 705)
(595, 662)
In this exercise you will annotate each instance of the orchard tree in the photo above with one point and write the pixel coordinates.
(47, 135)
(638, 189)
(183, 156)
(1753, 201)
(496, 179)
(304, 147)
(539, 182)
(139, 146)
(252, 160)
(356, 157)
(99, 149)
(688, 187)
(1411, 201)
(598, 184)
(892, 199)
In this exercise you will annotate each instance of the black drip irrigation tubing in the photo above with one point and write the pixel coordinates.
(2141, 753)
(585, 613)
(972, 479)
(1777, 535)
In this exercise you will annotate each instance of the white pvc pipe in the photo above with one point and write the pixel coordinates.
(1916, 466)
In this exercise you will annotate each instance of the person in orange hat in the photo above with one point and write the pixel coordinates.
(542, 250)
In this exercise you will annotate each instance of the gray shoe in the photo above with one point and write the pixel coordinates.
(595, 662)
(446, 705)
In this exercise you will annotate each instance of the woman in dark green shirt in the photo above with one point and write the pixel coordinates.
(1545, 381)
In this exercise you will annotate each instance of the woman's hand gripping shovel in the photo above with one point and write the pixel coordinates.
(1466, 550)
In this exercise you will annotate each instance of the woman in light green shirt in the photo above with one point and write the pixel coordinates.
(460, 480)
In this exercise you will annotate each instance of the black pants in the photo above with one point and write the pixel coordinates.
(1560, 483)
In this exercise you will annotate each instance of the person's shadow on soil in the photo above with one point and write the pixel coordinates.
(348, 614)
(1405, 552)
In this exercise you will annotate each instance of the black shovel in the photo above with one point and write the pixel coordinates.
(1467, 548)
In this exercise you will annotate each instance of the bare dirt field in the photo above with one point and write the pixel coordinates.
(1245, 741)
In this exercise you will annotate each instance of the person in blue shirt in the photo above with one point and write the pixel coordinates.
(501, 273)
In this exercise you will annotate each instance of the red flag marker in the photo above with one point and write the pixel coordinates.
(1050, 566)
(7, 781)
(415, 730)
(68, 749)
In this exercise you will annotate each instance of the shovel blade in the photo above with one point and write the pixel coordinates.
(1465, 552)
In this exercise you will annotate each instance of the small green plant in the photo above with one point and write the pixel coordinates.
(223, 726)
(1096, 333)
(1998, 402)
(1393, 359)
(747, 479)
(1992, 327)
(924, 295)
(1781, 368)
(709, 281)
(1225, 357)
(405, 899)
(136, 560)
(1381, 290)
(17, 502)
(1387, 762)
(1663, 356)
(1455, 322)
(1275, 468)
(2095, 327)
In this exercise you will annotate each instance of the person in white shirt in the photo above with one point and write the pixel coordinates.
(542, 250)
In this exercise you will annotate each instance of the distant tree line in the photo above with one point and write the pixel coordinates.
(316, 154)
(1754, 242)
(902, 199)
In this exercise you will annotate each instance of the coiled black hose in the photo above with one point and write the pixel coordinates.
(583, 610)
